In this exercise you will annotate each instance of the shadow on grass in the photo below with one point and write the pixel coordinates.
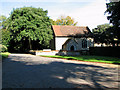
(54, 74)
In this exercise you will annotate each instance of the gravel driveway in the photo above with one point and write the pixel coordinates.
(29, 71)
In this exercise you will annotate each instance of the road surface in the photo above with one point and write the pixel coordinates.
(29, 71)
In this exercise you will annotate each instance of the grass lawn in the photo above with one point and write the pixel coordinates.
(103, 59)
(4, 55)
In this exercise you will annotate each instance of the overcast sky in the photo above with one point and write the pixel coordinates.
(86, 12)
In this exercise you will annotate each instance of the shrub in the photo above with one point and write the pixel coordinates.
(3, 48)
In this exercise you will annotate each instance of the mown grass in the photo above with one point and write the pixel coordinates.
(103, 59)
(4, 55)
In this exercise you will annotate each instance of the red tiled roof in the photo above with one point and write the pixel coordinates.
(60, 30)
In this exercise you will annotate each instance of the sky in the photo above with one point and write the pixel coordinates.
(86, 12)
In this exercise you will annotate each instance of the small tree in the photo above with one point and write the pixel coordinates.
(65, 21)
(6, 37)
(2, 19)
(4, 33)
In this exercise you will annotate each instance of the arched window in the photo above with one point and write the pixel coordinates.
(84, 43)
(72, 48)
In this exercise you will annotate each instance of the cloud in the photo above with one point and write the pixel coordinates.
(85, 12)
(90, 15)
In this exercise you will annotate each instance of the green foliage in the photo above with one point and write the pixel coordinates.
(4, 55)
(101, 28)
(113, 9)
(30, 24)
(2, 18)
(4, 33)
(6, 37)
(3, 48)
(102, 34)
(64, 21)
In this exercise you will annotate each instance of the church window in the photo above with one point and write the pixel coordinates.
(84, 43)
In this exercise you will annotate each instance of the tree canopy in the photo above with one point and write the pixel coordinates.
(106, 33)
(4, 33)
(2, 19)
(64, 21)
(28, 25)
(102, 34)
(113, 9)
(5, 37)
(101, 28)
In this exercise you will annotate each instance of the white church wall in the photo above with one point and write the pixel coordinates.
(59, 41)
(76, 42)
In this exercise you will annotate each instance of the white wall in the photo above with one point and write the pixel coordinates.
(59, 41)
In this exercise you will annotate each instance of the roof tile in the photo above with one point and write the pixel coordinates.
(65, 30)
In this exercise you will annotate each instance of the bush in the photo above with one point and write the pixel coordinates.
(105, 51)
(3, 48)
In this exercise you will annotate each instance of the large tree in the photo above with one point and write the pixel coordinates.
(102, 34)
(113, 10)
(29, 24)
(101, 28)
(64, 21)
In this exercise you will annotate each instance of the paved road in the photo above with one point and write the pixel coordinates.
(28, 71)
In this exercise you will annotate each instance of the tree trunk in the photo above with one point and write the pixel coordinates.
(30, 45)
